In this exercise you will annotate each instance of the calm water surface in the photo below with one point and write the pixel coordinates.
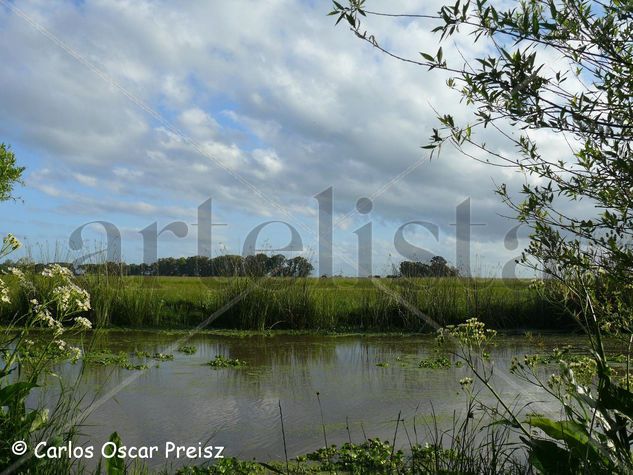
(187, 402)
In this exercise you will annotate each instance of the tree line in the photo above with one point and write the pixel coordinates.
(257, 265)
(231, 265)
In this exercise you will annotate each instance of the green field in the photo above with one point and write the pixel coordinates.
(336, 304)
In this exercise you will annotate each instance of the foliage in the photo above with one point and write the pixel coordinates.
(340, 304)
(221, 361)
(435, 362)
(577, 206)
(10, 173)
(586, 100)
(187, 349)
(115, 465)
(437, 267)
(25, 362)
(596, 429)
(229, 466)
(373, 456)
(108, 358)
(257, 265)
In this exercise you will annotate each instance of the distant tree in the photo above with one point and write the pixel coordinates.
(227, 265)
(168, 266)
(297, 267)
(256, 265)
(275, 264)
(414, 269)
(436, 267)
(439, 268)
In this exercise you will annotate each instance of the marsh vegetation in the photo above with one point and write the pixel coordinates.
(326, 305)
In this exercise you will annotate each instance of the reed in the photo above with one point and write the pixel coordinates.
(337, 304)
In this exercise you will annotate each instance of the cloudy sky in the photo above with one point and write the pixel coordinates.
(135, 112)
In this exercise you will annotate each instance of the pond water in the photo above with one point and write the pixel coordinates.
(188, 402)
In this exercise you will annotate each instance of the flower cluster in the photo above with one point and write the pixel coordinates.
(537, 284)
(43, 315)
(74, 353)
(9, 244)
(83, 323)
(52, 308)
(4, 292)
(466, 382)
(55, 270)
(71, 298)
(471, 333)
(25, 283)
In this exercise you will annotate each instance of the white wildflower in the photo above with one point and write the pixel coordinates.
(44, 316)
(4, 292)
(466, 382)
(83, 323)
(75, 353)
(61, 345)
(11, 242)
(55, 270)
(71, 298)
(24, 282)
(16, 272)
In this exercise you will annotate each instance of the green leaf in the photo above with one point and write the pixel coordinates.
(619, 399)
(271, 468)
(548, 457)
(15, 391)
(572, 433)
(115, 465)
(36, 419)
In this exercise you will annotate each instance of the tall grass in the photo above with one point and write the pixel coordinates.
(356, 304)
(339, 304)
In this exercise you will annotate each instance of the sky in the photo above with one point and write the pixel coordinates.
(137, 112)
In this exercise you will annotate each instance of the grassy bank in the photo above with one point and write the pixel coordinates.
(337, 304)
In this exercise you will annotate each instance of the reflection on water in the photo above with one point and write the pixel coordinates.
(187, 402)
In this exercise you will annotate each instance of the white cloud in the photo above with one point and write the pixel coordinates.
(268, 91)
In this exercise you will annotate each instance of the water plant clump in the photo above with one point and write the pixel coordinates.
(108, 358)
(221, 361)
(187, 349)
(435, 362)
(154, 356)
(372, 456)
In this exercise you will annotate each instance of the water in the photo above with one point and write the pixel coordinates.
(187, 402)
